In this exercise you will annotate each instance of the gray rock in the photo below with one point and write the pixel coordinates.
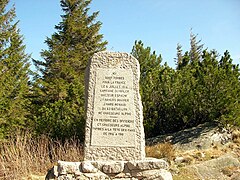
(147, 164)
(212, 169)
(179, 160)
(160, 174)
(68, 167)
(87, 167)
(113, 167)
(203, 136)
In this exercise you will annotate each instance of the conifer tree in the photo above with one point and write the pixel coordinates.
(14, 71)
(196, 49)
(150, 67)
(179, 58)
(59, 106)
(229, 90)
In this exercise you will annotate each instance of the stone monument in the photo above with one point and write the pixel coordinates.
(114, 145)
(114, 120)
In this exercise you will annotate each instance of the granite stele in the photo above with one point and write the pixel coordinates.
(114, 120)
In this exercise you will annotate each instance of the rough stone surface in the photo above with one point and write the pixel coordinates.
(98, 175)
(164, 174)
(113, 167)
(114, 120)
(203, 136)
(160, 174)
(236, 176)
(148, 169)
(87, 167)
(179, 160)
(212, 169)
(68, 167)
(147, 164)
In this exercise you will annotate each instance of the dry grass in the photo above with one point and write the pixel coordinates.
(230, 170)
(186, 174)
(195, 156)
(162, 150)
(236, 136)
(22, 156)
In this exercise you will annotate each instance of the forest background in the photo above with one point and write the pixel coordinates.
(203, 87)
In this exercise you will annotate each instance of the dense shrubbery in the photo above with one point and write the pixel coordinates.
(204, 86)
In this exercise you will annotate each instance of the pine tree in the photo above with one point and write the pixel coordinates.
(150, 67)
(14, 71)
(196, 49)
(209, 88)
(60, 109)
(179, 58)
(229, 90)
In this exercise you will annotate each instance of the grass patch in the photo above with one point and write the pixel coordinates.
(161, 150)
(21, 156)
(185, 174)
(236, 136)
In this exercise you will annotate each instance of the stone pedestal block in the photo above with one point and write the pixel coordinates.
(150, 168)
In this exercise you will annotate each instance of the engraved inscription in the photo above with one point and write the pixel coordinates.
(113, 117)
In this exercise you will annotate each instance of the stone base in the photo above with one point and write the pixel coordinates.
(150, 168)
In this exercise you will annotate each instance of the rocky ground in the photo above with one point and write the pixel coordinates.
(204, 152)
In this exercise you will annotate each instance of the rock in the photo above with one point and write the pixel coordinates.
(236, 176)
(212, 169)
(87, 167)
(52, 173)
(97, 176)
(219, 138)
(67, 177)
(82, 177)
(160, 174)
(203, 136)
(123, 175)
(165, 175)
(68, 167)
(113, 167)
(149, 168)
(179, 160)
(185, 159)
(148, 164)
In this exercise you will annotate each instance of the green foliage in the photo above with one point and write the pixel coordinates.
(201, 89)
(150, 65)
(212, 89)
(229, 90)
(58, 98)
(14, 70)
